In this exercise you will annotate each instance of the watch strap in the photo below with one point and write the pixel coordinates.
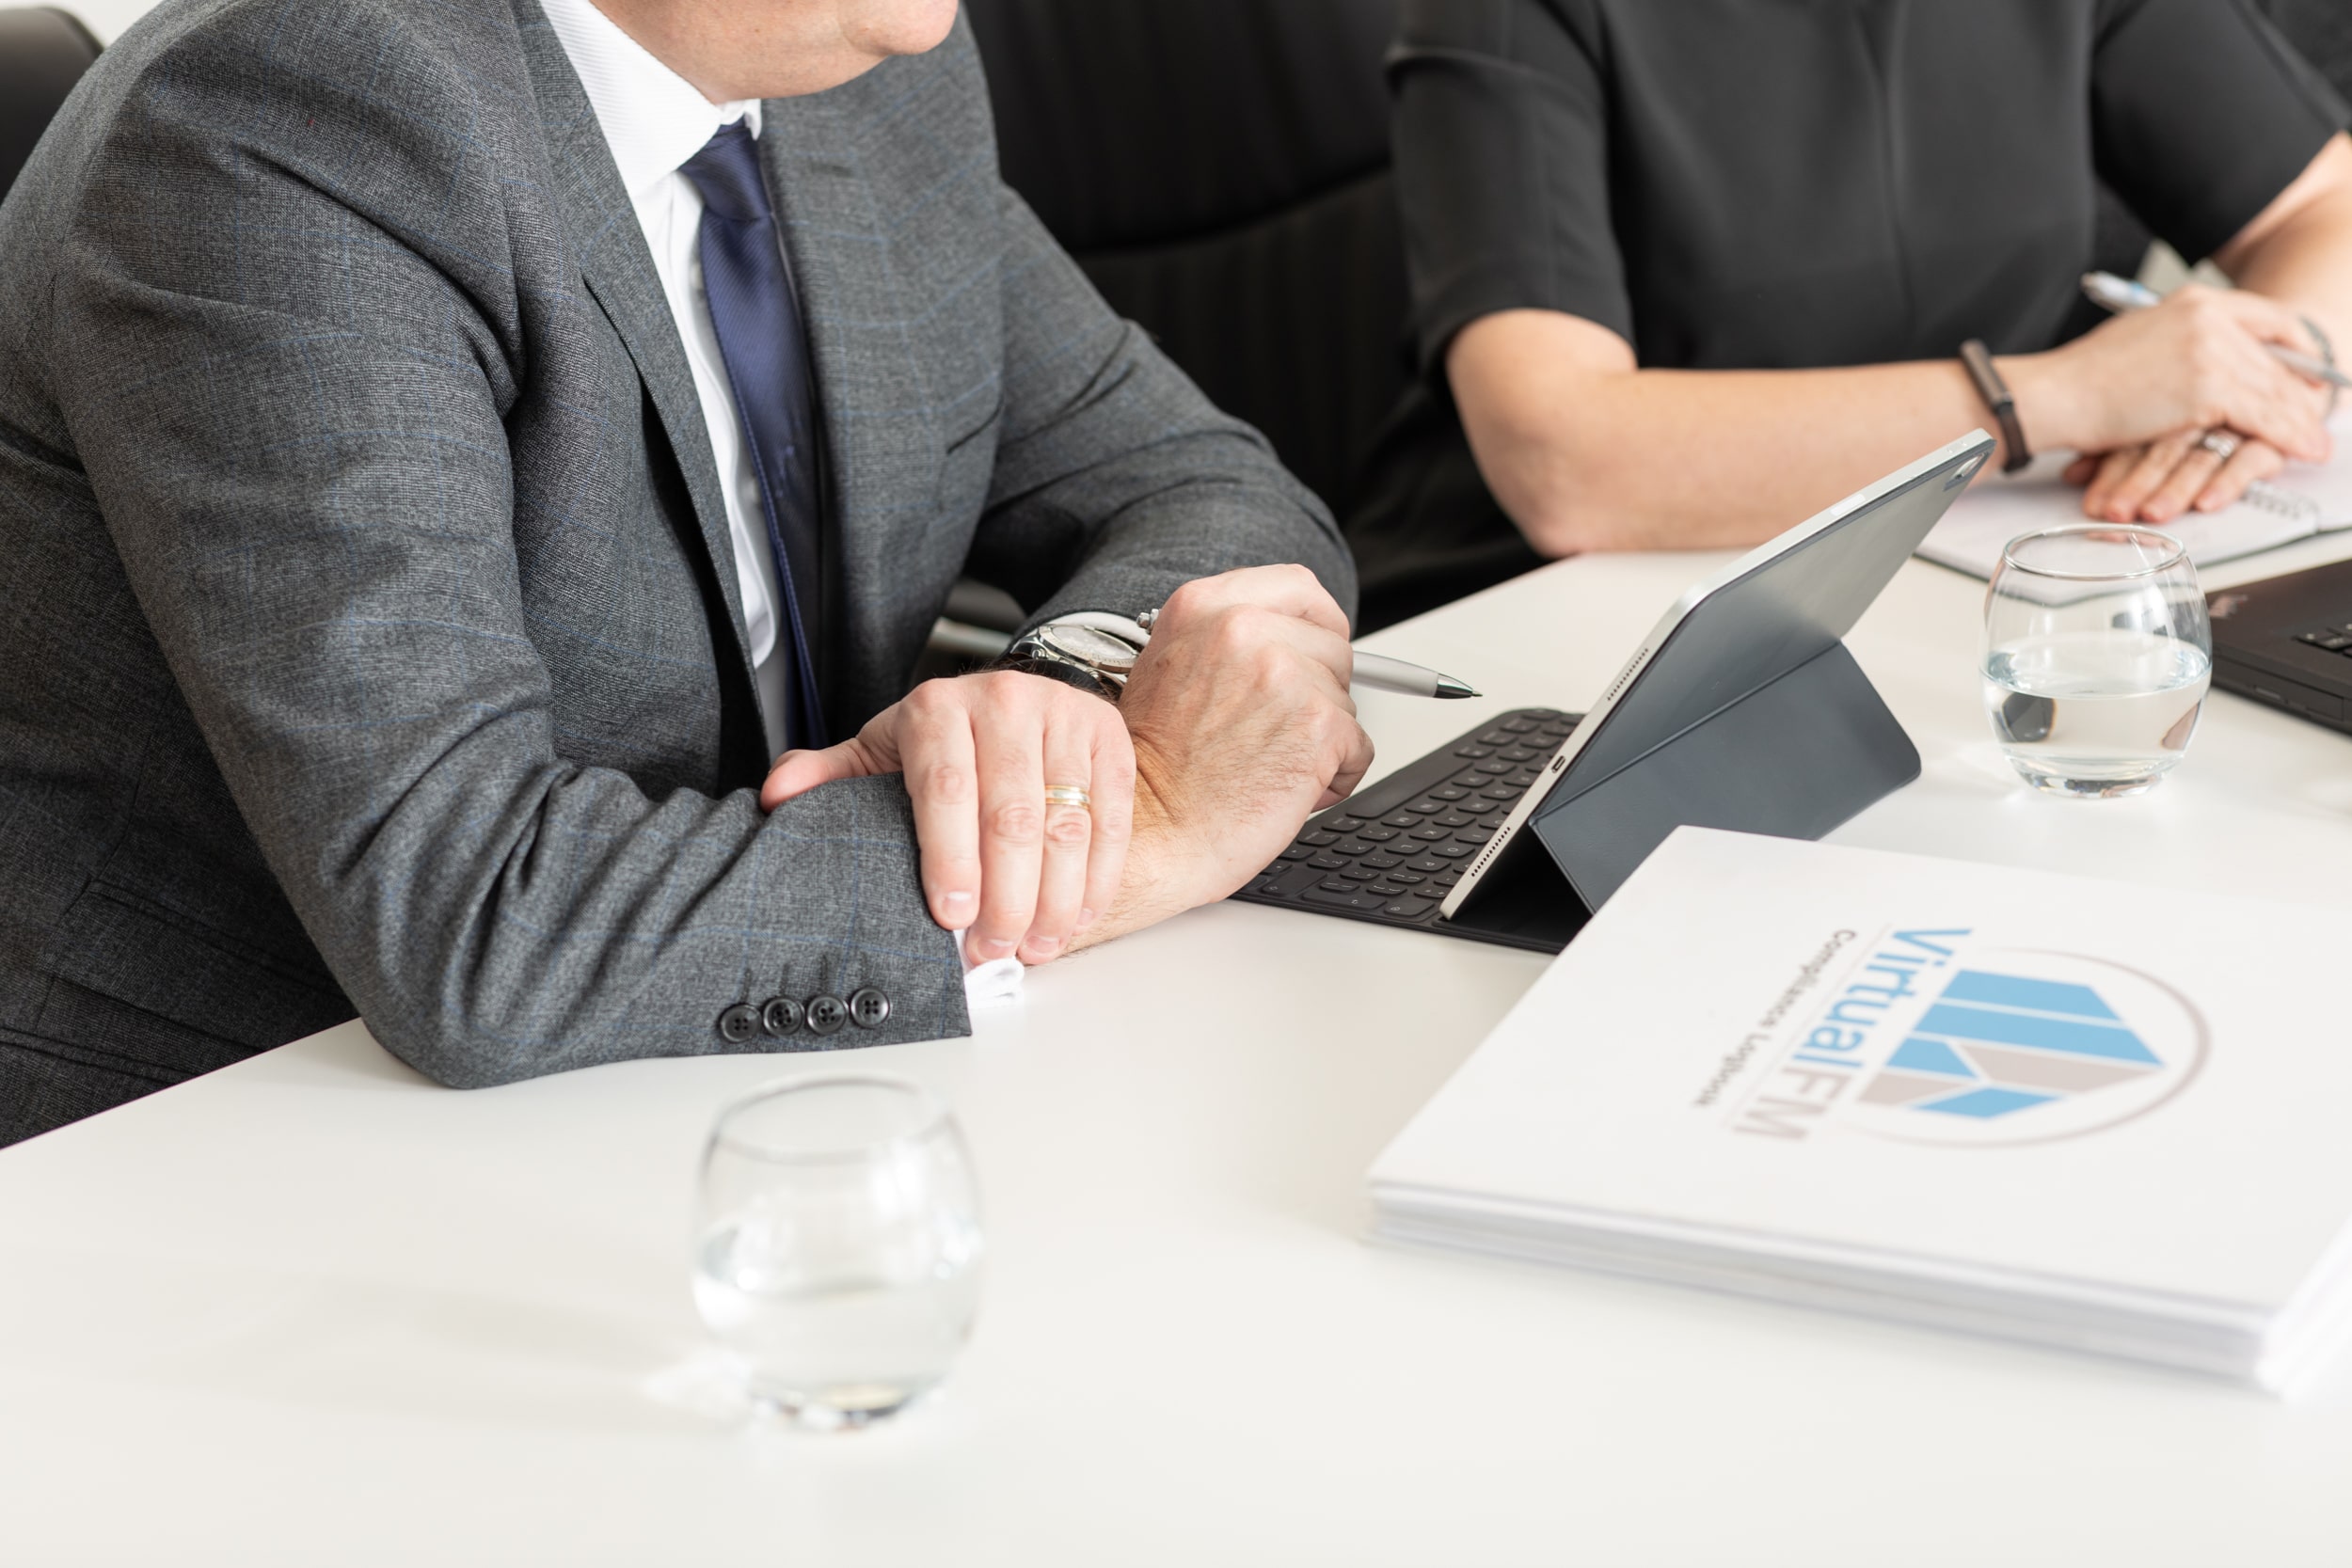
(1977, 360)
(1027, 658)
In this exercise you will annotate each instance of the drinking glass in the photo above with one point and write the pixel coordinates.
(2097, 657)
(838, 1245)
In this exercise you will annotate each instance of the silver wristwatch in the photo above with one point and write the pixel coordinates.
(1084, 657)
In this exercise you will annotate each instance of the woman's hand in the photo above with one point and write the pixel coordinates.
(1025, 874)
(2174, 371)
(2193, 469)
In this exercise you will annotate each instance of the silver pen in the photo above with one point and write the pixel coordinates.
(1374, 672)
(2120, 296)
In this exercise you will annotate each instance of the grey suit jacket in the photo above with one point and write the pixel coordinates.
(372, 638)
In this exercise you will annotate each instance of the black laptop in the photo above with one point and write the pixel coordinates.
(1742, 709)
(2287, 642)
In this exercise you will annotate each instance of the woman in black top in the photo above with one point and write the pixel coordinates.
(1691, 269)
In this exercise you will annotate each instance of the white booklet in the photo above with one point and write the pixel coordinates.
(2300, 503)
(2041, 1107)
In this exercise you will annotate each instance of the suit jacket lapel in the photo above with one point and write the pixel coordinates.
(619, 272)
(882, 435)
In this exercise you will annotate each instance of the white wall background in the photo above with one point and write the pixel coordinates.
(107, 18)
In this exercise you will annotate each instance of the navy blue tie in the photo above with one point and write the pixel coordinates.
(757, 316)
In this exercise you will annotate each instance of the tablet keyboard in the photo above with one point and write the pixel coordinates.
(1390, 854)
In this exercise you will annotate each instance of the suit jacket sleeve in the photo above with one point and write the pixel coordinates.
(1116, 480)
(290, 408)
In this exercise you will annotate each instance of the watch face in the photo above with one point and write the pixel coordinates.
(1089, 646)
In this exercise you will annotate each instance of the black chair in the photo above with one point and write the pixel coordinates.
(1220, 169)
(43, 52)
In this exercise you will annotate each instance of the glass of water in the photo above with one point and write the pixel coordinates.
(837, 1244)
(2097, 657)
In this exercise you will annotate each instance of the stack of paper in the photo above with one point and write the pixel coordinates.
(1950, 1094)
(2301, 502)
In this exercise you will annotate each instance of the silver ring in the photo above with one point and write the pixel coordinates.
(2221, 443)
(1068, 795)
(1148, 617)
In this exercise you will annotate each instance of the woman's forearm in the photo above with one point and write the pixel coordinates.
(2299, 250)
(1586, 453)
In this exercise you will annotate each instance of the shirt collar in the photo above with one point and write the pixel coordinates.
(653, 118)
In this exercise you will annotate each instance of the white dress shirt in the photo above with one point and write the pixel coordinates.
(654, 122)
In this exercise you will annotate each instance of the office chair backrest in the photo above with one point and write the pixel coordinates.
(1219, 169)
(43, 52)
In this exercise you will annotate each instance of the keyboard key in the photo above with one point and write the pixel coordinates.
(1478, 834)
(1358, 874)
(1504, 792)
(1449, 792)
(1402, 820)
(1477, 807)
(1425, 806)
(1454, 819)
(1453, 875)
(1518, 754)
(1375, 834)
(2334, 641)
(1473, 750)
(1332, 899)
(1344, 824)
(1327, 862)
(1410, 879)
(1428, 866)
(1407, 909)
(1387, 890)
(1519, 726)
(1351, 848)
(1296, 852)
(1318, 839)
(1493, 766)
(1450, 851)
(1497, 737)
(1381, 863)
(1337, 884)
(1427, 834)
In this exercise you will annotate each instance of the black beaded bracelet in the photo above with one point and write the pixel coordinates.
(2327, 353)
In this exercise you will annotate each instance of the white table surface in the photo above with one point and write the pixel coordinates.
(313, 1309)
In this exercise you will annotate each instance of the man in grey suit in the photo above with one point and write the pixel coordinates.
(402, 622)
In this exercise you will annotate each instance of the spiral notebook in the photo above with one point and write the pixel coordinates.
(2302, 503)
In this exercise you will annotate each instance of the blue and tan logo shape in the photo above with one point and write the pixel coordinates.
(1938, 1036)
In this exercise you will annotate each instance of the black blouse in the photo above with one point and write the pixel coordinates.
(1785, 184)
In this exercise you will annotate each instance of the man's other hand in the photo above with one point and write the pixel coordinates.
(977, 752)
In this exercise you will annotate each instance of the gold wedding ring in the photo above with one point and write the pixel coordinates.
(2221, 443)
(1068, 795)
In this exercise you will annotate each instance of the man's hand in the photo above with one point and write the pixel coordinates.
(978, 752)
(1243, 728)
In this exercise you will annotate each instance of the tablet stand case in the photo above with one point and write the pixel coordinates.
(1792, 758)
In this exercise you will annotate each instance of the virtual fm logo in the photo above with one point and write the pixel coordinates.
(1937, 1038)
